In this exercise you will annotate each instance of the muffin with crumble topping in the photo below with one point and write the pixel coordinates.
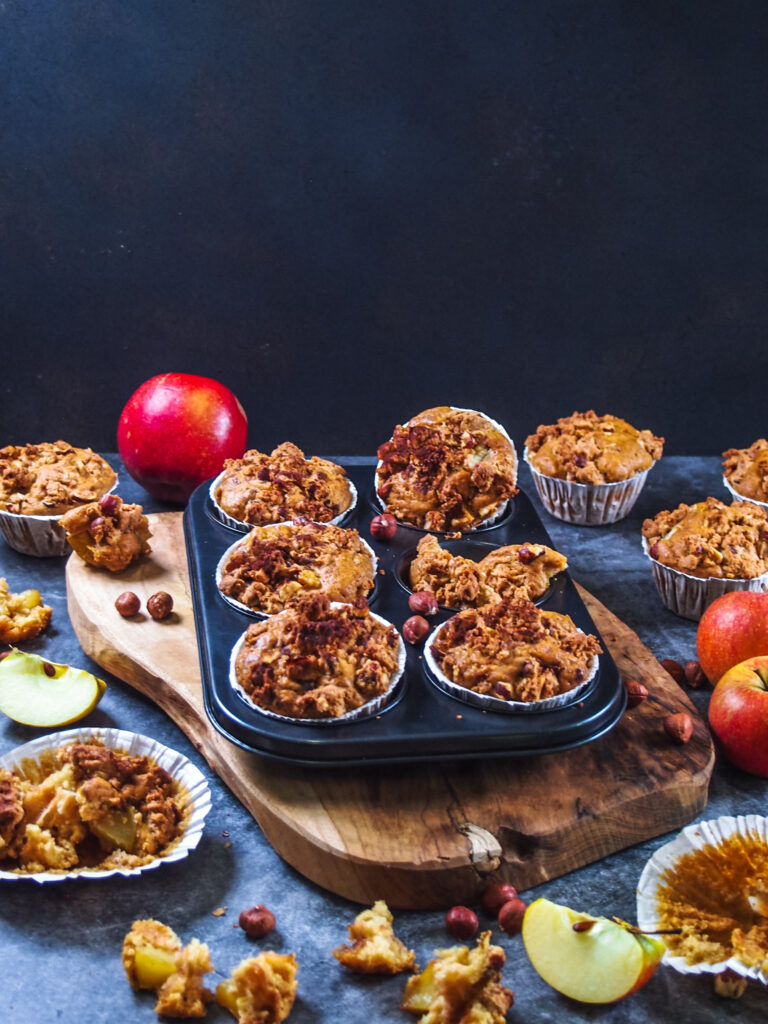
(447, 469)
(590, 469)
(745, 472)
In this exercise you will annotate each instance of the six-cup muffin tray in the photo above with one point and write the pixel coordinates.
(421, 722)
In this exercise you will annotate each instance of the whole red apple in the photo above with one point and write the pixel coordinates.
(732, 629)
(176, 430)
(738, 715)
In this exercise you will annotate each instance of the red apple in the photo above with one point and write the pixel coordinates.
(732, 629)
(738, 715)
(176, 431)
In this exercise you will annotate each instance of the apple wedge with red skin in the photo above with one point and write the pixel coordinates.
(733, 628)
(738, 715)
(599, 961)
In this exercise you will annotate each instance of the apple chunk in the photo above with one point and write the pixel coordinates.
(601, 964)
(37, 692)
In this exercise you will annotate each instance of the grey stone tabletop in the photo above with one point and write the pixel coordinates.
(61, 943)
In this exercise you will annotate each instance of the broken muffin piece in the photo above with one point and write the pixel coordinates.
(108, 533)
(262, 988)
(22, 615)
(375, 948)
(183, 994)
(149, 953)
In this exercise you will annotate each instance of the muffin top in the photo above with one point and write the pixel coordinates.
(710, 539)
(260, 489)
(446, 469)
(315, 661)
(746, 470)
(108, 533)
(49, 478)
(514, 651)
(591, 449)
(276, 565)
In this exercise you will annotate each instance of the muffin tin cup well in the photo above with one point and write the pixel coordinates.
(690, 596)
(742, 497)
(236, 524)
(587, 504)
(40, 536)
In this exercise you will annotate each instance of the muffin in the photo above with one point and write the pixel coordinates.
(590, 469)
(745, 472)
(516, 570)
(701, 551)
(38, 484)
(108, 533)
(274, 566)
(317, 661)
(261, 489)
(447, 469)
(512, 655)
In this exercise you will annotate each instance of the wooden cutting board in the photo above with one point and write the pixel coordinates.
(424, 836)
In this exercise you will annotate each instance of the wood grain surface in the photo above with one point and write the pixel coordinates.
(417, 836)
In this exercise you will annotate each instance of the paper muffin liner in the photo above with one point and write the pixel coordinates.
(694, 837)
(194, 789)
(234, 603)
(241, 527)
(488, 703)
(484, 523)
(367, 710)
(587, 504)
(742, 497)
(41, 536)
(690, 596)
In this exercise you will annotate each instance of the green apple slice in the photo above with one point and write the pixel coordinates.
(30, 696)
(600, 964)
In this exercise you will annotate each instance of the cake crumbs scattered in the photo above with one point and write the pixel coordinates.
(382, 572)
(219, 912)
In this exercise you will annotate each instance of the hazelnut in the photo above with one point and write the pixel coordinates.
(675, 669)
(511, 916)
(109, 504)
(127, 604)
(653, 551)
(495, 896)
(730, 985)
(95, 526)
(694, 675)
(257, 922)
(636, 692)
(160, 605)
(526, 554)
(383, 527)
(415, 629)
(461, 923)
(679, 727)
(423, 602)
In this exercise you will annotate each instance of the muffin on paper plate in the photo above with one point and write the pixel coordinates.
(701, 551)
(590, 469)
(745, 472)
(447, 469)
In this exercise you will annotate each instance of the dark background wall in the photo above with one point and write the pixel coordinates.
(349, 211)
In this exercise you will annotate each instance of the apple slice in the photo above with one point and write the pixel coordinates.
(600, 964)
(31, 695)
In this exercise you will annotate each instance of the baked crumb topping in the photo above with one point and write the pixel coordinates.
(314, 661)
(276, 565)
(514, 651)
(375, 948)
(710, 539)
(108, 533)
(260, 489)
(592, 449)
(22, 615)
(183, 994)
(49, 478)
(262, 989)
(446, 469)
(516, 570)
(746, 470)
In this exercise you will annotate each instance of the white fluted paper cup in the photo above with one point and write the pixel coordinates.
(742, 497)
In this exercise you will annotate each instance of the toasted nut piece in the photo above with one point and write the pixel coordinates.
(127, 604)
(636, 692)
(694, 675)
(511, 916)
(160, 605)
(679, 727)
(257, 922)
(461, 923)
(675, 669)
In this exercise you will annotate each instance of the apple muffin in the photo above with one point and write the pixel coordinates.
(108, 533)
(516, 570)
(745, 471)
(49, 478)
(318, 661)
(512, 651)
(274, 566)
(260, 489)
(23, 615)
(262, 989)
(446, 469)
(375, 948)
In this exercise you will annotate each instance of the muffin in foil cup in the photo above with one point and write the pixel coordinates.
(41, 536)
(587, 504)
(690, 596)
(367, 710)
(742, 497)
(694, 837)
(194, 792)
(241, 527)
(488, 703)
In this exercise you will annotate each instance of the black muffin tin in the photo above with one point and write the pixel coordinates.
(421, 723)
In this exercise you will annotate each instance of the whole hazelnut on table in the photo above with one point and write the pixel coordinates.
(127, 604)
(511, 916)
(461, 923)
(257, 922)
(694, 675)
(636, 692)
(384, 526)
(160, 605)
(674, 668)
(415, 629)
(423, 602)
(495, 896)
(679, 727)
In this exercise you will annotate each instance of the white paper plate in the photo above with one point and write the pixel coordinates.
(194, 785)
(694, 837)
(241, 527)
